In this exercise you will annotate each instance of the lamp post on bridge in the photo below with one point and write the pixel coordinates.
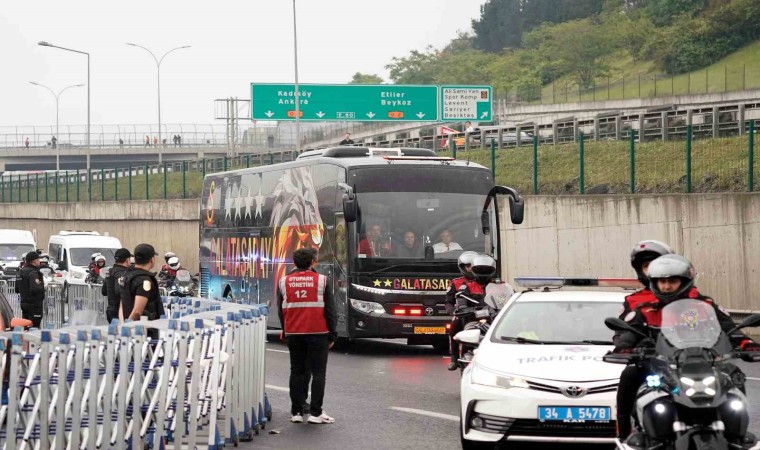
(298, 93)
(158, 70)
(57, 135)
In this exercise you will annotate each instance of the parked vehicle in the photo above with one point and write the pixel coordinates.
(14, 245)
(72, 252)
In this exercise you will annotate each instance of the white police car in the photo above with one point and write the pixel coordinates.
(538, 374)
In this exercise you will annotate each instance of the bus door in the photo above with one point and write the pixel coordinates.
(340, 271)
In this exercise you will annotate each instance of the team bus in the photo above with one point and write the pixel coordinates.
(389, 225)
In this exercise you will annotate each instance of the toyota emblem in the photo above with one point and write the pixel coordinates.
(573, 391)
(429, 311)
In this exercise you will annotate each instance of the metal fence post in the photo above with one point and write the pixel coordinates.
(28, 189)
(582, 169)
(36, 188)
(47, 198)
(751, 157)
(224, 164)
(89, 184)
(67, 186)
(247, 161)
(147, 183)
(493, 158)
(19, 188)
(77, 185)
(184, 180)
(632, 160)
(116, 183)
(56, 186)
(130, 182)
(688, 158)
(453, 145)
(2, 187)
(165, 184)
(271, 158)
(203, 170)
(535, 165)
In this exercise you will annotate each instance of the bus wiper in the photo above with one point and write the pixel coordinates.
(522, 340)
(396, 266)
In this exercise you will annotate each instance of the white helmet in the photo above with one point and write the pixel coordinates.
(100, 258)
(95, 255)
(173, 263)
(168, 256)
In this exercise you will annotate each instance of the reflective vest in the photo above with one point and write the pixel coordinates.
(303, 303)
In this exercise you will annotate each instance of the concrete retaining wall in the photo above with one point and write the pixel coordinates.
(166, 224)
(566, 235)
(593, 235)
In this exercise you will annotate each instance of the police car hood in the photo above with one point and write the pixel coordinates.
(549, 362)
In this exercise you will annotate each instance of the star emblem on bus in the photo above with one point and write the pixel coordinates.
(388, 283)
(376, 283)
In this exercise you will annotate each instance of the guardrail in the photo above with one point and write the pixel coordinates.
(200, 384)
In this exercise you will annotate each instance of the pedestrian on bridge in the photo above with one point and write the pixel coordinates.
(309, 321)
(147, 141)
(31, 289)
(347, 140)
(26, 143)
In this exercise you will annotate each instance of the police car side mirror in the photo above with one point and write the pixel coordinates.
(471, 337)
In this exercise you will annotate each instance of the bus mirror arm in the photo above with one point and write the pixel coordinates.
(516, 205)
(350, 210)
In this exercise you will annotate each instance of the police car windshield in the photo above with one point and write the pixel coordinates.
(572, 323)
(13, 252)
(83, 256)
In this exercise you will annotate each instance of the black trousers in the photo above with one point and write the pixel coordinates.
(456, 326)
(33, 314)
(308, 354)
(110, 315)
(630, 381)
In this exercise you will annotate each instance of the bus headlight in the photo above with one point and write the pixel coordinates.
(367, 307)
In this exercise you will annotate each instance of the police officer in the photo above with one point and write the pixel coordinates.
(31, 287)
(309, 320)
(457, 284)
(110, 288)
(139, 289)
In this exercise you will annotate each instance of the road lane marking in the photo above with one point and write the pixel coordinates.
(277, 388)
(277, 351)
(422, 412)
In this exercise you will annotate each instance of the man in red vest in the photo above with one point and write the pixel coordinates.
(309, 322)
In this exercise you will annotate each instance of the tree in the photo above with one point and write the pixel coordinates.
(417, 68)
(469, 67)
(366, 78)
(667, 12)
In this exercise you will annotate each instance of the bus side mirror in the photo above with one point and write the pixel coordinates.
(350, 209)
(485, 222)
(516, 209)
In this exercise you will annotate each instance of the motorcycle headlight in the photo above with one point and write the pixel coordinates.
(485, 377)
(367, 307)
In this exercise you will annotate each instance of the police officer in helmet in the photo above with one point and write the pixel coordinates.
(671, 278)
(139, 289)
(465, 268)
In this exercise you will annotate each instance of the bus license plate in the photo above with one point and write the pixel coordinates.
(574, 413)
(429, 330)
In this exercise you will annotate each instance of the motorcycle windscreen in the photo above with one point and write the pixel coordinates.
(183, 276)
(690, 323)
(498, 294)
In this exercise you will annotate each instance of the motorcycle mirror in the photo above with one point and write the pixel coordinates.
(471, 337)
(616, 324)
(751, 321)
(618, 358)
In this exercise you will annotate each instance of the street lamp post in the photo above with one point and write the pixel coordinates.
(48, 44)
(57, 134)
(158, 70)
(298, 93)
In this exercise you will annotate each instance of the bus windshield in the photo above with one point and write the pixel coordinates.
(408, 211)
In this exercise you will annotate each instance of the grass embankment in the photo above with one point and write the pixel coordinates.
(718, 165)
(636, 79)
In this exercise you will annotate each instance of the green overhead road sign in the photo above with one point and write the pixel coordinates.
(466, 103)
(345, 102)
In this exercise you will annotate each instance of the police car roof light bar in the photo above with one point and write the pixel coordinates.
(536, 282)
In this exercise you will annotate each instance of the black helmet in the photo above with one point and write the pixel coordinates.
(646, 251)
(669, 266)
(465, 259)
(483, 268)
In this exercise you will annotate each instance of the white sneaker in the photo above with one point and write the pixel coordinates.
(298, 418)
(324, 418)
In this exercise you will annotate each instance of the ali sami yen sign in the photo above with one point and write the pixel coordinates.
(345, 102)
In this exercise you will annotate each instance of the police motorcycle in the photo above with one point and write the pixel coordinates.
(182, 285)
(478, 315)
(691, 399)
(94, 272)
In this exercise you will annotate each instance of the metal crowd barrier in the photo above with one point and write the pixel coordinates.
(198, 384)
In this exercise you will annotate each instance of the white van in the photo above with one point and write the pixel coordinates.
(14, 245)
(72, 251)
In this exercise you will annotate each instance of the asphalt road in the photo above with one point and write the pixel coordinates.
(386, 395)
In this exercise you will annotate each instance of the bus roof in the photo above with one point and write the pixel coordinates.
(349, 157)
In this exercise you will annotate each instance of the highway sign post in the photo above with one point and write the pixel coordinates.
(466, 103)
(347, 102)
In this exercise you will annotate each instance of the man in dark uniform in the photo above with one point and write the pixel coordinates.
(110, 288)
(309, 320)
(31, 287)
(139, 289)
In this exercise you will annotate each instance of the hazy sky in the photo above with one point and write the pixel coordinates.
(233, 44)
